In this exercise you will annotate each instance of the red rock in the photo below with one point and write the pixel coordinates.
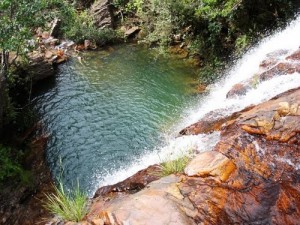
(160, 203)
(294, 56)
(132, 184)
(238, 89)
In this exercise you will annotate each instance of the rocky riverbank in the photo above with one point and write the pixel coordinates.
(250, 177)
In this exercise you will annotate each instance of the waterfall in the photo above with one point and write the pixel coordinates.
(243, 69)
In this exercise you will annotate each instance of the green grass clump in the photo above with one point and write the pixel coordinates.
(67, 206)
(174, 166)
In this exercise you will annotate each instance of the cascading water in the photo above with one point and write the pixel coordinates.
(246, 67)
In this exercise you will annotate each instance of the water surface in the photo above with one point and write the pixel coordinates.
(111, 108)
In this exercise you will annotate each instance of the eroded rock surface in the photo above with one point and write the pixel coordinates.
(263, 143)
(160, 203)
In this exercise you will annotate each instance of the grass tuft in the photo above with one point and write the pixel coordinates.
(174, 166)
(67, 206)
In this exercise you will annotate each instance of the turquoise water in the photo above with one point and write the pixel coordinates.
(111, 108)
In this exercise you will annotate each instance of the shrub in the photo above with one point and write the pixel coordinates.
(83, 28)
(67, 206)
(10, 167)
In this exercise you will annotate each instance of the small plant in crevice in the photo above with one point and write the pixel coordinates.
(174, 166)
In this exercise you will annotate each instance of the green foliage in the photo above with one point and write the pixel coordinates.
(16, 20)
(241, 43)
(83, 28)
(213, 29)
(174, 166)
(65, 205)
(10, 167)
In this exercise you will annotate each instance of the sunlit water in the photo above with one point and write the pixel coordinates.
(121, 112)
(106, 111)
(243, 69)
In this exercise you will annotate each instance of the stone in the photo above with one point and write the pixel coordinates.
(45, 35)
(102, 13)
(97, 222)
(210, 163)
(212, 121)
(294, 56)
(39, 31)
(132, 31)
(87, 44)
(180, 52)
(132, 184)
(200, 88)
(55, 28)
(264, 187)
(160, 203)
(48, 54)
(39, 67)
(238, 90)
(273, 65)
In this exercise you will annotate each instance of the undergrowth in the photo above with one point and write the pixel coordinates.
(10, 166)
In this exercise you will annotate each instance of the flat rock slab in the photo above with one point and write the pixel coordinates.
(210, 163)
(160, 203)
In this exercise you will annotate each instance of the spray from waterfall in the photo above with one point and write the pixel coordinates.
(246, 67)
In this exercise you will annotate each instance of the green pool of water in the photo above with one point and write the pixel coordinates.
(111, 108)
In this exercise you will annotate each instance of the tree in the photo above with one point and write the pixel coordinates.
(17, 19)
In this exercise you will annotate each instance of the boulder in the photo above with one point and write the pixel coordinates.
(210, 163)
(132, 31)
(39, 67)
(102, 13)
(238, 90)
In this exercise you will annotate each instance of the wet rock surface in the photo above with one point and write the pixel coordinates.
(264, 188)
(212, 121)
(250, 177)
(275, 64)
(132, 184)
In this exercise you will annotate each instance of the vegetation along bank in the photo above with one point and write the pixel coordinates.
(33, 38)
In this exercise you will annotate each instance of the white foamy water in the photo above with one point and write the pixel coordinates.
(244, 69)
(174, 148)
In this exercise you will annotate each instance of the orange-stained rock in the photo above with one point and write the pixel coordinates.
(160, 203)
(210, 122)
(251, 177)
(264, 144)
(210, 163)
